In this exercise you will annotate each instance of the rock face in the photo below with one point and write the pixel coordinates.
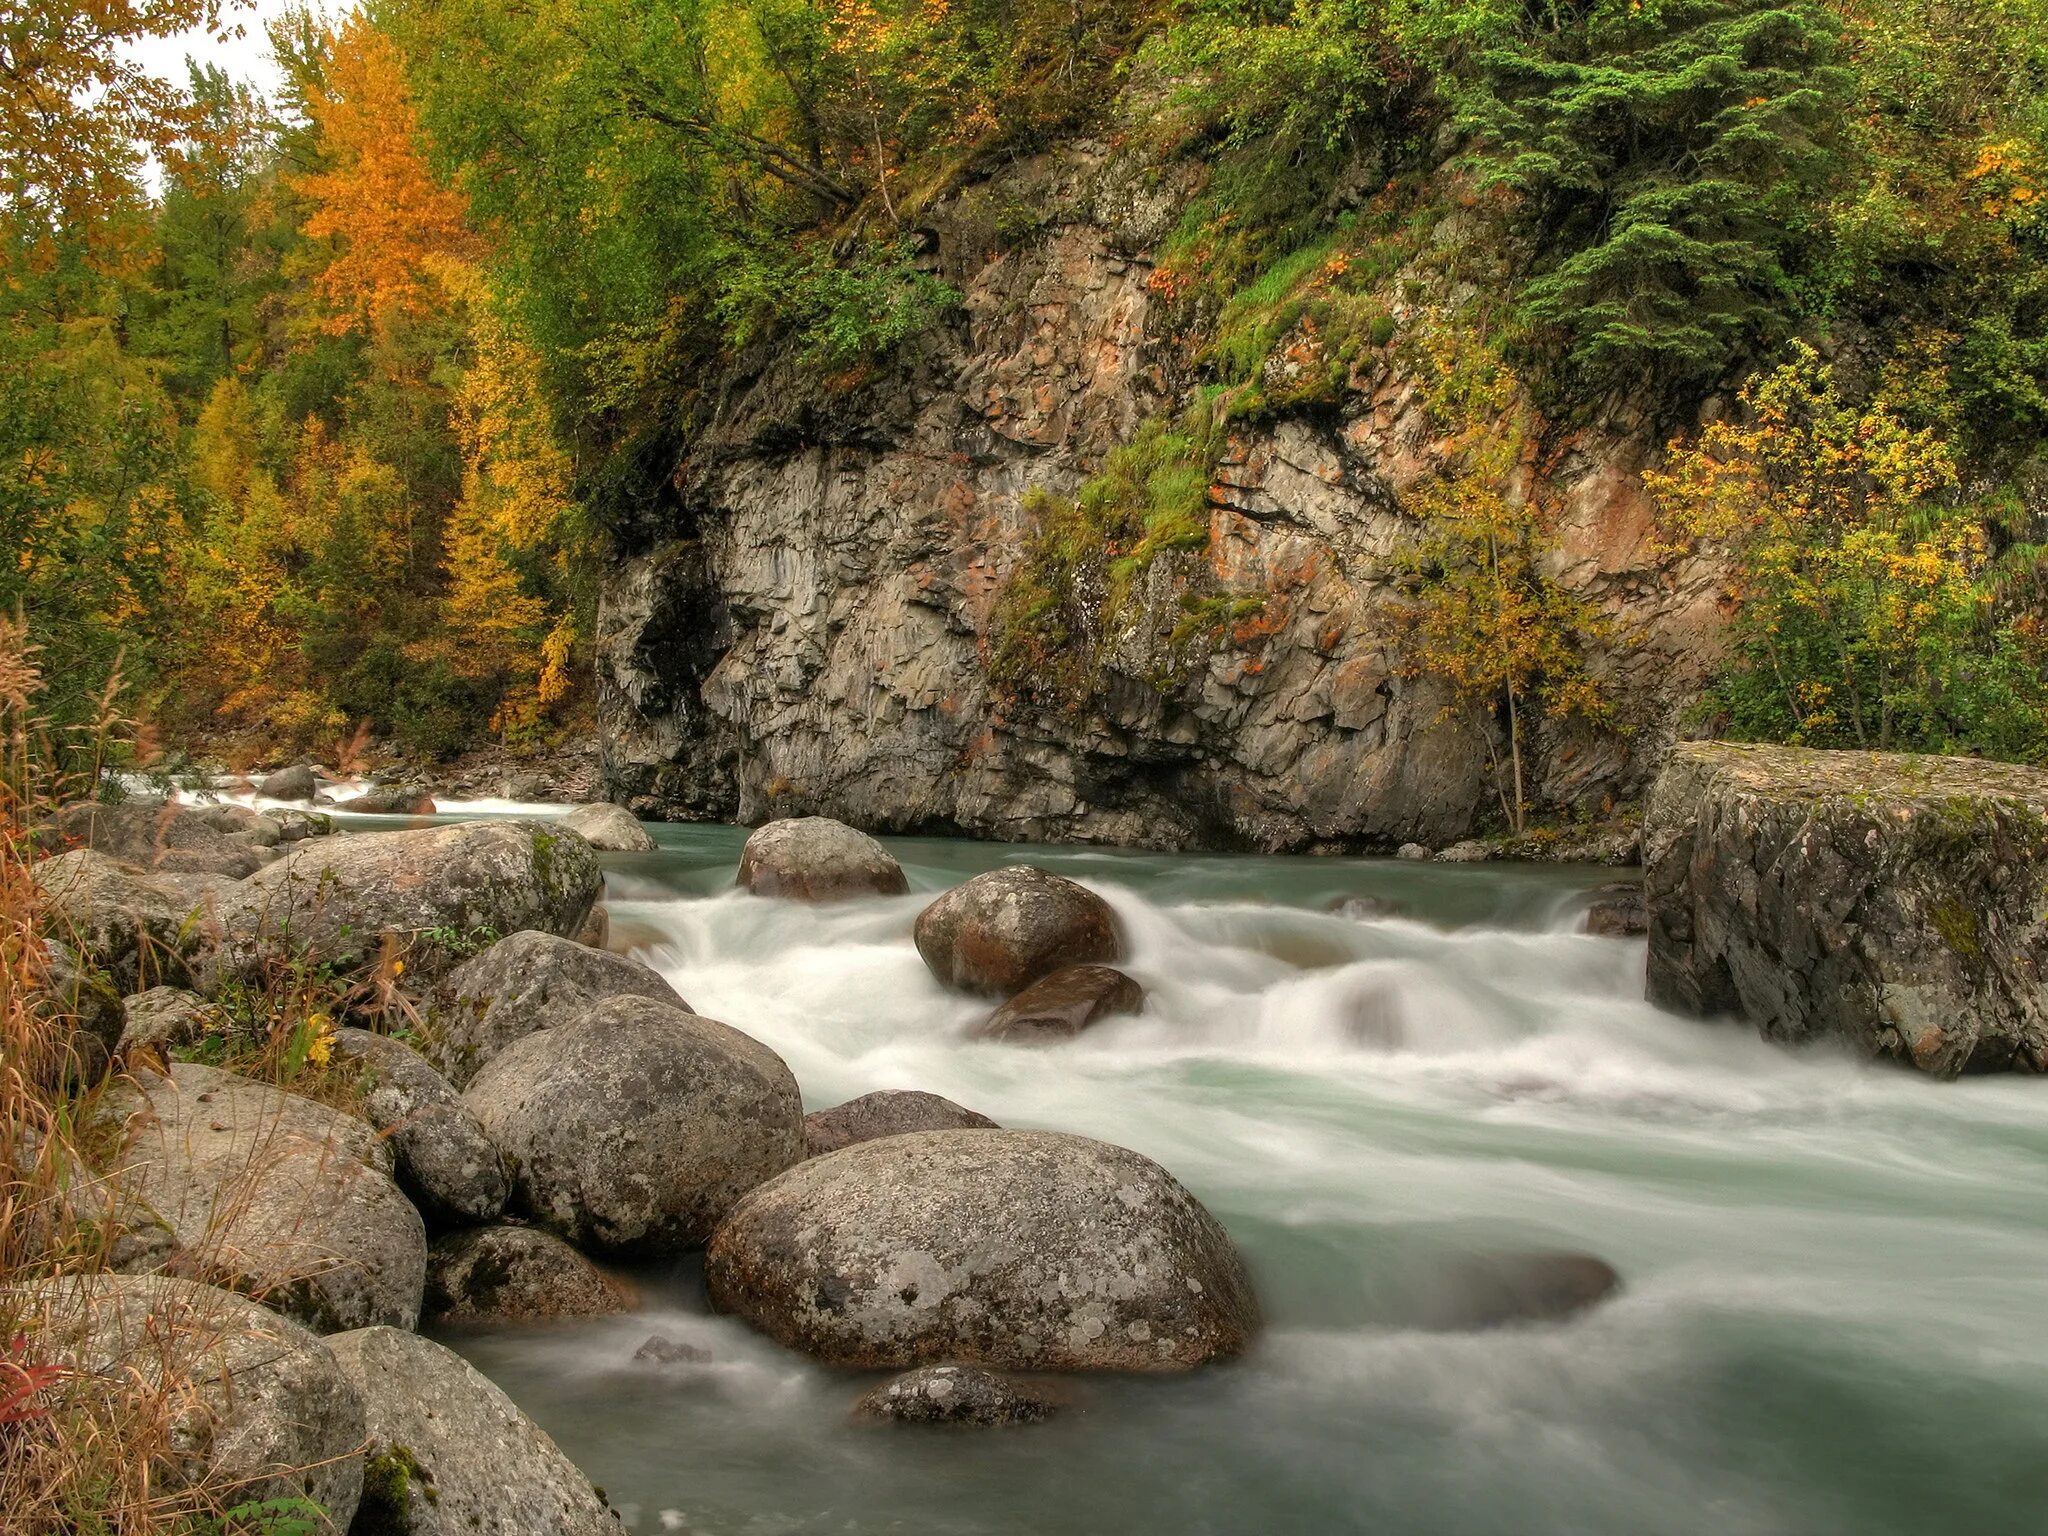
(1060, 1006)
(527, 983)
(513, 1274)
(609, 828)
(956, 1394)
(1013, 1249)
(444, 1159)
(890, 1112)
(1618, 911)
(1003, 930)
(813, 622)
(279, 1197)
(449, 1454)
(814, 858)
(635, 1128)
(261, 1405)
(1896, 903)
(344, 900)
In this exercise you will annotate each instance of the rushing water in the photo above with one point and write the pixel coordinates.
(1836, 1312)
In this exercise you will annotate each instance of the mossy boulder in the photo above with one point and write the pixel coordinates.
(516, 1274)
(1895, 903)
(444, 1160)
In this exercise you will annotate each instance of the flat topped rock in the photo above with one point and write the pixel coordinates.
(1896, 903)
(814, 858)
(959, 1395)
(1004, 929)
(1012, 1249)
(1060, 1006)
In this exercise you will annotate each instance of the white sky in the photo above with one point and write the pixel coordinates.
(246, 57)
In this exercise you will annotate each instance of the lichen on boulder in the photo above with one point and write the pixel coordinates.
(1895, 903)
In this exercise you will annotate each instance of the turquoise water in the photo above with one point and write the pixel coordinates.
(1836, 1308)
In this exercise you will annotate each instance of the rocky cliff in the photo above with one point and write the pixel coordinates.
(810, 626)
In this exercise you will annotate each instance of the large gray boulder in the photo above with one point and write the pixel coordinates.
(259, 1409)
(526, 983)
(420, 895)
(155, 834)
(1895, 903)
(814, 858)
(635, 1128)
(297, 783)
(450, 1455)
(273, 1195)
(444, 1159)
(610, 828)
(142, 929)
(516, 1274)
(888, 1112)
(1012, 1249)
(1002, 930)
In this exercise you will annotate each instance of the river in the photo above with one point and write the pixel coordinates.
(1835, 1317)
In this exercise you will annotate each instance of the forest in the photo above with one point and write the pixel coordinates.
(322, 411)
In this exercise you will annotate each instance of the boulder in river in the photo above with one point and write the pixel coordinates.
(515, 1274)
(1496, 1290)
(526, 983)
(391, 800)
(634, 1129)
(610, 828)
(814, 858)
(1060, 1006)
(1022, 1250)
(1000, 931)
(258, 1408)
(1618, 911)
(889, 1112)
(451, 1455)
(275, 1195)
(444, 1159)
(1895, 903)
(352, 901)
(297, 784)
(957, 1394)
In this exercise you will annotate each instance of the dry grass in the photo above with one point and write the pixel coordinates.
(92, 1442)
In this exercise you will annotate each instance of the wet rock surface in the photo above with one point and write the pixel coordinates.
(998, 932)
(1012, 1249)
(634, 1129)
(1619, 911)
(515, 1274)
(1898, 904)
(1503, 1289)
(959, 1395)
(889, 1112)
(1060, 1006)
(814, 858)
(526, 983)
(444, 1160)
(260, 1403)
(450, 1455)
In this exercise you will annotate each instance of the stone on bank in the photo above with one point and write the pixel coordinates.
(1895, 903)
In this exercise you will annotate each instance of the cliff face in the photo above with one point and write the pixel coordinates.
(812, 631)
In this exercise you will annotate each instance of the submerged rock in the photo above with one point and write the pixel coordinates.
(957, 1394)
(450, 1455)
(1619, 911)
(1015, 1249)
(283, 1199)
(610, 828)
(1060, 1006)
(1896, 903)
(1364, 908)
(527, 983)
(444, 1159)
(257, 1405)
(890, 1112)
(1494, 1290)
(515, 1274)
(659, 1349)
(1003, 930)
(351, 902)
(635, 1128)
(814, 858)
